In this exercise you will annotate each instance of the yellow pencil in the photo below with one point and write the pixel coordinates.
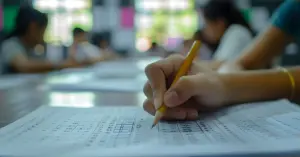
(181, 72)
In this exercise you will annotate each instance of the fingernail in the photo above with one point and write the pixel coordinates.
(171, 98)
(157, 103)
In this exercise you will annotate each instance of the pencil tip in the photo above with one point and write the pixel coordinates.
(152, 126)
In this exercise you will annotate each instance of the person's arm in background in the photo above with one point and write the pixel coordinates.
(23, 64)
(109, 54)
(95, 60)
(265, 48)
(106, 56)
(15, 57)
(269, 44)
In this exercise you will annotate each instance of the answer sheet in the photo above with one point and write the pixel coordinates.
(271, 127)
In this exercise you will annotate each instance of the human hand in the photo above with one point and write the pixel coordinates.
(201, 90)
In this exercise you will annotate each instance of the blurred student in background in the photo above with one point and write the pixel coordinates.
(226, 27)
(17, 50)
(106, 50)
(84, 52)
(205, 53)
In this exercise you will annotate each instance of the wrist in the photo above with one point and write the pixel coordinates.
(243, 87)
(230, 67)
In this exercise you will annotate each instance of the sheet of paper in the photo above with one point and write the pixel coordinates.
(108, 85)
(264, 128)
(123, 68)
(118, 72)
(119, 69)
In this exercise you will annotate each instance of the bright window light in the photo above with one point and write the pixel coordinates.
(178, 4)
(172, 28)
(75, 4)
(64, 15)
(144, 21)
(152, 4)
(183, 4)
(143, 44)
(83, 18)
(187, 21)
(48, 4)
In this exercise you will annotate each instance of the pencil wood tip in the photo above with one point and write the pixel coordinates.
(153, 125)
(157, 117)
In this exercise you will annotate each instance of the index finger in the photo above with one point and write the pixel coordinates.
(157, 74)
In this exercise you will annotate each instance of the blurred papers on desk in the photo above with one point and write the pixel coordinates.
(69, 77)
(10, 81)
(107, 85)
(123, 68)
(261, 129)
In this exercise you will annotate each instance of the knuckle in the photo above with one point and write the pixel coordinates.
(149, 68)
(147, 89)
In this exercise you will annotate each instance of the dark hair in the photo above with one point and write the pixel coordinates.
(153, 44)
(225, 9)
(77, 31)
(26, 15)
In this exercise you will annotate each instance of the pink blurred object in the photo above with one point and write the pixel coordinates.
(127, 17)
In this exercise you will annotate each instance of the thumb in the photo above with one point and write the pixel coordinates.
(181, 91)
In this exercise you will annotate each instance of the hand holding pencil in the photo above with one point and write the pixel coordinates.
(186, 95)
(183, 70)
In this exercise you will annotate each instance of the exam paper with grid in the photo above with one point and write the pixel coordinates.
(110, 129)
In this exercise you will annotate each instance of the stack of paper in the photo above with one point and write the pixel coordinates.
(249, 130)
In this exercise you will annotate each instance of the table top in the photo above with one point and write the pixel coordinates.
(21, 94)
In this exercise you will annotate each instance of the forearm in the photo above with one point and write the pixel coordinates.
(35, 67)
(98, 59)
(102, 58)
(213, 65)
(263, 85)
(264, 49)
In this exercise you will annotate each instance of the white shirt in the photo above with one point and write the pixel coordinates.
(235, 39)
(87, 51)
